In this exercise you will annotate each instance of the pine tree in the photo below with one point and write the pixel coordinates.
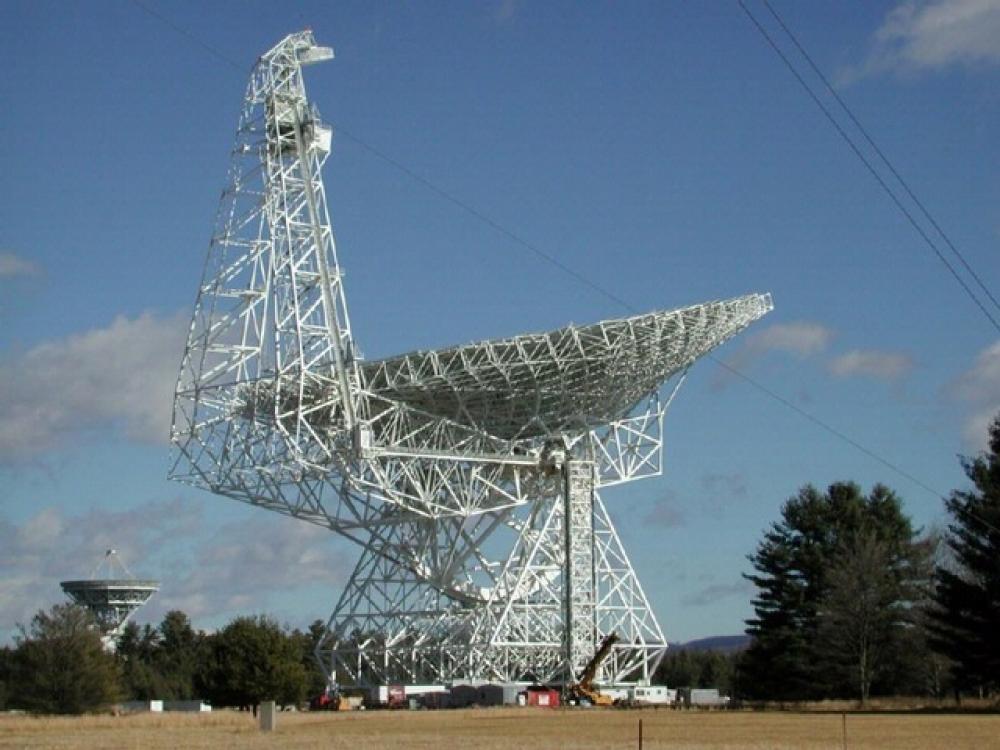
(803, 572)
(138, 654)
(966, 622)
(177, 656)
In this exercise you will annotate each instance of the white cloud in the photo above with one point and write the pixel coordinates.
(238, 568)
(979, 388)
(888, 366)
(982, 381)
(120, 376)
(918, 36)
(801, 339)
(977, 425)
(13, 265)
(51, 547)
(244, 564)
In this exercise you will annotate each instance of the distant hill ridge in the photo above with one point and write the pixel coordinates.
(724, 643)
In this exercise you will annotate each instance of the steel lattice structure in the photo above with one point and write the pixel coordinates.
(470, 476)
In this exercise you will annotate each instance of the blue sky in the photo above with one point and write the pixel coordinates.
(659, 149)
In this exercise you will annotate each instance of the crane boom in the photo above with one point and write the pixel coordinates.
(584, 689)
(590, 671)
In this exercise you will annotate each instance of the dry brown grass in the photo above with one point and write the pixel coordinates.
(508, 728)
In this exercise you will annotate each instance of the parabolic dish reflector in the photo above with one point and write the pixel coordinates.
(568, 380)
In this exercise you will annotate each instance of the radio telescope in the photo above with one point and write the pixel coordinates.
(471, 477)
(112, 593)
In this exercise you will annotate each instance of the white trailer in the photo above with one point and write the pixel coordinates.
(704, 698)
(654, 695)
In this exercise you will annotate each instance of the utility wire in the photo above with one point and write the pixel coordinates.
(415, 176)
(885, 160)
(909, 192)
(188, 35)
(878, 178)
(823, 425)
(630, 308)
(486, 220)
(563, 267)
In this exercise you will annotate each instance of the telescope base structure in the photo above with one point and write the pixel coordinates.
(566, 584)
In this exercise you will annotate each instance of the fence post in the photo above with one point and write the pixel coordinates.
(268, 715)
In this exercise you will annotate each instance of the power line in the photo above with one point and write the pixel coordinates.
(486, 219)
(823, 425)
(496, 226)
(415, 176)
(187, 34)
(885, 160)
(909, 192)
(864, 160)
(630, 308)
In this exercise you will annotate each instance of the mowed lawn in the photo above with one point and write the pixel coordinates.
(507, 728)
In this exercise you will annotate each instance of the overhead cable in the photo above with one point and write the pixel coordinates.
(874, 172)
(885, 160)
(517, 239)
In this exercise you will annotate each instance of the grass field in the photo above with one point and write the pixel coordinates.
(509, 728)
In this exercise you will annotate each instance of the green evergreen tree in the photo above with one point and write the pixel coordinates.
(966, 621)
(798, 608)
(702, 669)
(137, 653)
(677, 669)
(177, 656)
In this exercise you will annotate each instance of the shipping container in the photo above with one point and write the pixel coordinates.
(702, 697)
(542, 696)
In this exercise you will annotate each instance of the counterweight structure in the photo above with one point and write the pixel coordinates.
(471, 477)
(112, 593)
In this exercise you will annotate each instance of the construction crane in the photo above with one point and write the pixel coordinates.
(584, 689)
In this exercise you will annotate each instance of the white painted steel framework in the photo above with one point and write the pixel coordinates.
(470, 476)
(112, 593)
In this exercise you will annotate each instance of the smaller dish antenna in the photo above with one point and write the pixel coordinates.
(112, 593)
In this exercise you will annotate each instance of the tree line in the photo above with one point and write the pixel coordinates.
(59, 664)
(698, 669)
(851, 601)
